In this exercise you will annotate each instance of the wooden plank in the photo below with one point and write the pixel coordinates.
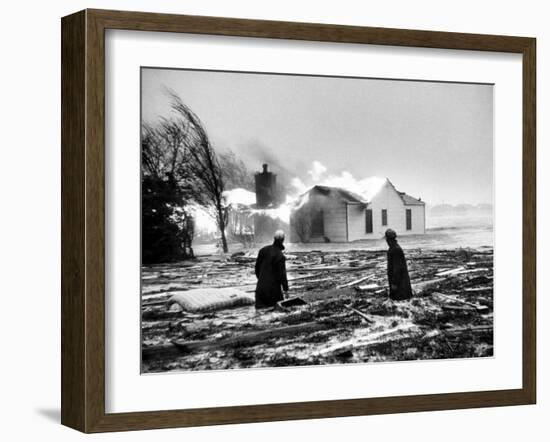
(479, 308)
(472, 329)
(457, 307)
(450, 272)
(420, 286)
(477, 289)
(367, 287)
(357, 281)
(360, 313)
(340, 268)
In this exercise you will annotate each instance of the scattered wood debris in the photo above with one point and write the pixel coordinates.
(344, 314)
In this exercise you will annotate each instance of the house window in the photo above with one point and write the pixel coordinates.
(409, 219)
(368, 221)
(384, 217)
(318, 224)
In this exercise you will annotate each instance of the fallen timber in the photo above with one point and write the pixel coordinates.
(424, 285)
(469, 329)
(477, 289)
(355, 282)
(339, 269)
(478, 308)
(360, 313)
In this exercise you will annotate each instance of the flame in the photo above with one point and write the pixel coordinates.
(238, 196)
(317, 175)
(204, 220)
(282, 212)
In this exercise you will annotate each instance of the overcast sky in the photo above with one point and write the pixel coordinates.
(432, 140)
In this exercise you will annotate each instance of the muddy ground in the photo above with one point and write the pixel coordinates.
(348, 317)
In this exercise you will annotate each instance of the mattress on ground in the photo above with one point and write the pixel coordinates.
(208, 299)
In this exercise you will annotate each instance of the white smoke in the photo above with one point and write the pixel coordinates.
(317, 171)
(366, 187)
(299, 187)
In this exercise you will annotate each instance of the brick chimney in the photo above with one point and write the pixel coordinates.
(266, 185)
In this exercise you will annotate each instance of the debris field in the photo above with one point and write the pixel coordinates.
(347, 316)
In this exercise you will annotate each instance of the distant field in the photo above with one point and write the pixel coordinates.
(442, 232)
(434, 222)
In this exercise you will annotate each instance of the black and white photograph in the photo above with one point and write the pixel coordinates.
(299, 220)
(252, 221)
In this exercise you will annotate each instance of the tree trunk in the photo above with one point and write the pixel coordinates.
(221, 224)
(224, 243)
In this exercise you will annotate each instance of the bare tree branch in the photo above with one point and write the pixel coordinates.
(204, 165)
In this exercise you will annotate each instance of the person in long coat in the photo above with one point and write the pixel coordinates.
(398, 274)
(270, 270)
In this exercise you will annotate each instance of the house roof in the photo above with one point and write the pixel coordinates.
(409, 200)
(354, 198)
(343, 194)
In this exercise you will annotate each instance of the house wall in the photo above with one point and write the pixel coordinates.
(347, 222)
(387, 198)
(334, 219)
(418, 219)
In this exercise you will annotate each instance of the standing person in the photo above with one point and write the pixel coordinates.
(398, 275)
(271, 273)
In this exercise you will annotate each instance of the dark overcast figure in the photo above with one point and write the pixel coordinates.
(271, 273)
(398, 275)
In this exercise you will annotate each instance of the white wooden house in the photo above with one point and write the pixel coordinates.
(333, 214)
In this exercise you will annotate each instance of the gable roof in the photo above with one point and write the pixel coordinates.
(409, 200)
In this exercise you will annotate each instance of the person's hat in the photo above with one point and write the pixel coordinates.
(279, 235)
(390, 234)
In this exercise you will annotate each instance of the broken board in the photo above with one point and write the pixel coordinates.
(291, 302)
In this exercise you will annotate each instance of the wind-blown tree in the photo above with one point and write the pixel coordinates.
(203, 165)
(167, 226)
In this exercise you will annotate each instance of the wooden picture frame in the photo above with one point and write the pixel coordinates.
(83, 220)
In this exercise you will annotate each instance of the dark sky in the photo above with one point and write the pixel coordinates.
(432, 140)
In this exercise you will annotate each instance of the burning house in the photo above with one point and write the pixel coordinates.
(256, 216)
(325, 213)
(240, 216)
(333, 214)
